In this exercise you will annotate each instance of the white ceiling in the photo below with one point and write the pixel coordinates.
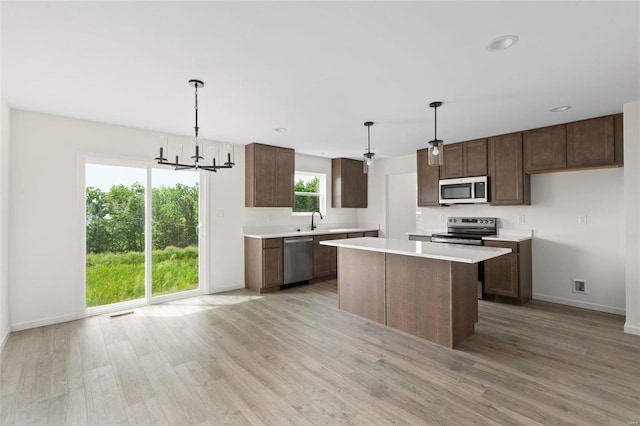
(322, 68)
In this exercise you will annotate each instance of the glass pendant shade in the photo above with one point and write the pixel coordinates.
(436, 153)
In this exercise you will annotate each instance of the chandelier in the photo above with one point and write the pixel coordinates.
(197, 159)
(435, 145)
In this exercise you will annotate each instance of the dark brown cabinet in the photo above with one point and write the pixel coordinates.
(269, 172)
(585, 144)
(545, 149)
(508, 278)
(325, 257)
(590, 143)
(263, 267)
(508, 182)
(428, 177)
(475, 158)
(464, 159)
(373, 234)
(348, 184)
(452, 162)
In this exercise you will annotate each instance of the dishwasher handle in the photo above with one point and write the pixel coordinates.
(297, 240)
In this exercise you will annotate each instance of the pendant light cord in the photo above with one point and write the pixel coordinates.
(196, 109)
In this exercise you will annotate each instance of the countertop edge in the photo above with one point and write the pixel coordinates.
(308, 233)
(349, 245)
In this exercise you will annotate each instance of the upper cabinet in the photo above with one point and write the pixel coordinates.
(585, 144)
(428, 177)
(464, 159)
(348, 184)
(545, 149)
(269, 172)
(509, 184)
(591, 143)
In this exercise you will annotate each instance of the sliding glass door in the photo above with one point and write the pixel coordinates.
(140, 243)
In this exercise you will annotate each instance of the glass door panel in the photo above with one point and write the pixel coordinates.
(115, 243)
(175, 222)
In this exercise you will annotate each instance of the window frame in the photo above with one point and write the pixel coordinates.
(322, 195)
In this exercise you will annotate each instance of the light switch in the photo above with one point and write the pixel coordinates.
(582, 219)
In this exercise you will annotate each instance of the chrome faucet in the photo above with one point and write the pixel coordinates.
(313, 226)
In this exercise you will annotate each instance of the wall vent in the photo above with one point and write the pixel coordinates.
(579, 286)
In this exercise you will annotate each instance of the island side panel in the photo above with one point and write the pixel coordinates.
(419, 297)
(361, 283)
(464, 300)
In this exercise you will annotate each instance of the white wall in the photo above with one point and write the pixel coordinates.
(4, 221)
(632, 214)
(46, 274)
(562, 249)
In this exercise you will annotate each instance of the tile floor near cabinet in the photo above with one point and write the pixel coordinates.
(292, 358)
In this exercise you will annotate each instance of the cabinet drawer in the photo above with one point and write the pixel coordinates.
(504, 244)
(355, 234)
(319, 238)
(371, 234)
(271, 243)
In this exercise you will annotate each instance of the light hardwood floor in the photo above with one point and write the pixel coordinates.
(293, 358)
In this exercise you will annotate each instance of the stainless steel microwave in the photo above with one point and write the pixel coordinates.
(464, 190)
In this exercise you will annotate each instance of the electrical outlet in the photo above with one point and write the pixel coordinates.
(442, 219)
(220, 214)
(522, 219)
(578, 286)
(582, 219)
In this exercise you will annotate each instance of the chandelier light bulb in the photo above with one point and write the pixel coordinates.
(436, 151)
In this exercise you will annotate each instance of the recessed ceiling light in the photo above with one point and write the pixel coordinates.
(560, 108)
(502, 42)
(280, 129)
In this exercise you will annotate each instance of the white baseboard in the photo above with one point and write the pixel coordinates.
(580, 304)
(42, 322)
(4, 338)
(632, 329)
(226, 288)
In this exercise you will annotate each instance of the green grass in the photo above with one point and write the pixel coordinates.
(118, 277)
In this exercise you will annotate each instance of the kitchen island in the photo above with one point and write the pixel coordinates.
(422, 288)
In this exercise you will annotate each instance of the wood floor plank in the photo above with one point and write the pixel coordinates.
(292, 357)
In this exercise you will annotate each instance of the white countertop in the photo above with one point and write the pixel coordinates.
(512, 235)
(279, 234)
(451, 252)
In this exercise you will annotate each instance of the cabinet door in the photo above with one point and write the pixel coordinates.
(325, 261)
(452, 166)
(428, 176)
(284, 172)
(509, 184)
(475, 158)
(501, 275)
(545, 149)
(371, 234)
(348, 184)
(590, 143)
(354, 184)
(264, 177)
(272, 267)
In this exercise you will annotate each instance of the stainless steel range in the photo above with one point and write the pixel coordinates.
(469, 231)
(466, 230)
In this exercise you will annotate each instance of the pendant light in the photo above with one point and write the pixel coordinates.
(368, 156)
(436, 153)
(179, 163)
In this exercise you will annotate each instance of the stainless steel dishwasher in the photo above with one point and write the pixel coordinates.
(298, 259)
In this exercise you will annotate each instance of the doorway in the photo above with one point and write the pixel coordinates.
(142, 234)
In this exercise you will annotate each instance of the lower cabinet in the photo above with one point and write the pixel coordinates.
(508, 278)
(325, 262)
(263, 268)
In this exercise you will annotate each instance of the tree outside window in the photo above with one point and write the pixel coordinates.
(309, 192)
